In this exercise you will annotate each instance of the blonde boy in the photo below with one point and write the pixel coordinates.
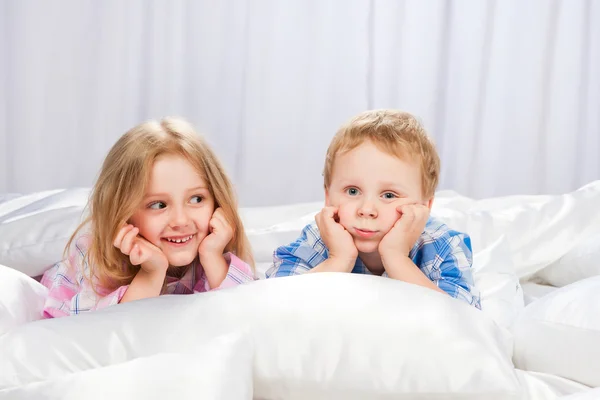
(381, 173)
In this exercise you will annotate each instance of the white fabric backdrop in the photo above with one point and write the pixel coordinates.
(510, 90)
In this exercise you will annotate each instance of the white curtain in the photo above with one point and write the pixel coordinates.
(510, 90)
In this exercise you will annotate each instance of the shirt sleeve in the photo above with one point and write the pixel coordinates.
(239, 272)
(69, 289)
(300, 256)
(456, 275)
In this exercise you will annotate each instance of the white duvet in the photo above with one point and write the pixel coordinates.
(324, 336)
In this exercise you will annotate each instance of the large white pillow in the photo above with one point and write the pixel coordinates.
(217, 370)
(581, 262)
(21, 299)
(316, 336)
(560, 333)
(493, 268)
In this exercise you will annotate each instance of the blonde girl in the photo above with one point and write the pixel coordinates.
(162, 219)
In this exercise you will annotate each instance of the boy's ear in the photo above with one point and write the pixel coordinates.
(429, 203)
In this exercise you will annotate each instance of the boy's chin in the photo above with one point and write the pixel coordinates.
(366, 247)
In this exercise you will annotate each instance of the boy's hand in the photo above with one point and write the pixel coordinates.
(221, 233)
(338, 240)
(405, 232)
(140, 251)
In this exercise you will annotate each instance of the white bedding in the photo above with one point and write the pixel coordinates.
(514, 238)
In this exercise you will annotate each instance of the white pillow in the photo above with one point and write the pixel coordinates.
(539, 229)
(265, 240)
(493, 269)
(34, 229)
(21, 299)
(560, 333)
(581, 262)
(494, 274)
(316, 336)
(592, 394)
(219, 369)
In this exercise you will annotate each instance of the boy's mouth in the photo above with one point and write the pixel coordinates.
(365, 233)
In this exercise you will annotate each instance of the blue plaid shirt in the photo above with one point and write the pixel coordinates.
(443, 255)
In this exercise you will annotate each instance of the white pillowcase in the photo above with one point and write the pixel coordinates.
(592, 394)
(560, 333)
(539, 229)
(219, 369)
(34, 229)
(581, 262)
(21, 299)
(316, 336)
(494, 274)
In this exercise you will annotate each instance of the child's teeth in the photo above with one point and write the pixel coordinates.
(180, 240)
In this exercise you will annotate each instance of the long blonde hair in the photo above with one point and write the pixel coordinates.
(121, 186)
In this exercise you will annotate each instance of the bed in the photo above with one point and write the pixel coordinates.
(321, 336)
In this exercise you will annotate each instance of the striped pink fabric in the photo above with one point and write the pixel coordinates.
(70, 291)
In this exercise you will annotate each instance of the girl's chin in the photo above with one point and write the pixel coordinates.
(181, 260)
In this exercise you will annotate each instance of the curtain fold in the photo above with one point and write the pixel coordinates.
(509, 90)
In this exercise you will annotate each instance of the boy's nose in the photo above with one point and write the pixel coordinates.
(367, 210)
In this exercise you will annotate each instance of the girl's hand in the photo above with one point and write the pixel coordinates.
(221, 233)
(140, 251)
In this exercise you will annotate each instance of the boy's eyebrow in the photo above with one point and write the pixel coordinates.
(394, 185)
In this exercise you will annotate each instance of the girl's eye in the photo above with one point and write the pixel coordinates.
(157, 205)
(352, 191)
(196, 199)
(389, 196)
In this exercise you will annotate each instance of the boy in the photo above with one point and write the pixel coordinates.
(381, 172)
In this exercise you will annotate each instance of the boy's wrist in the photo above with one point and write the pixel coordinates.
(395, 261)
(342, 264)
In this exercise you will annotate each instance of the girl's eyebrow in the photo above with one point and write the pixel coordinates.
(156, 195)
(197, 188)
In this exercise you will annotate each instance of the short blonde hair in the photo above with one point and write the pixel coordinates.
(122, 183)
(395, 132)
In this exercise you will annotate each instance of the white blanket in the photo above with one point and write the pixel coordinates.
(365, 338)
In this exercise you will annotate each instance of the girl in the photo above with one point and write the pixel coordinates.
(163, 220)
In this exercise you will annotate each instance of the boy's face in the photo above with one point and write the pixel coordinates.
(366, 186)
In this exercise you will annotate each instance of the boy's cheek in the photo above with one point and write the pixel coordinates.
(346, 214)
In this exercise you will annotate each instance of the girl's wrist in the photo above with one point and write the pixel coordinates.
(210, 256)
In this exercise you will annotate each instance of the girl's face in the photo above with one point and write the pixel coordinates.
(175, 212)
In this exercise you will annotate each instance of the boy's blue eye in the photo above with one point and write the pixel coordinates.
(352, 191)
(389, 196)
(196, 199)
(157, 205)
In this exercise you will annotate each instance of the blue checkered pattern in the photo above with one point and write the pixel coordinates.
(443, 255)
